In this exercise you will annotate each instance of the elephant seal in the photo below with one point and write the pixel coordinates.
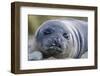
(61, 38)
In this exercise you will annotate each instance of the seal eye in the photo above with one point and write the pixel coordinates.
(66, 35)
(47, 31)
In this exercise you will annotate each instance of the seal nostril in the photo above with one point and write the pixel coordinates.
(56, 44)
(59, 46)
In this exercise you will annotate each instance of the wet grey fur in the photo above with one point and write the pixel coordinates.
(60, 38)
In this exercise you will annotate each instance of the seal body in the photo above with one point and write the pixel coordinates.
(62, 38)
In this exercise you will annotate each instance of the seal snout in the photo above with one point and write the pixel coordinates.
(54, 46)
(56, 43)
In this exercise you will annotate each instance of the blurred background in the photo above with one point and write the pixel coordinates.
(34, 21)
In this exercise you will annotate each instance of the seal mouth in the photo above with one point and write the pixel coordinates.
(53, 50)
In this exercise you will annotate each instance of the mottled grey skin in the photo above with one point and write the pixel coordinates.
(61, 39)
